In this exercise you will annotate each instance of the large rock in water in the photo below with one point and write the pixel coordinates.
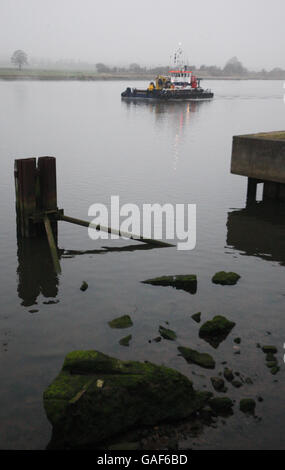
(95, 397)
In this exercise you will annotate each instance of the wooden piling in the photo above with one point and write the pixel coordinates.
(25, 185)
(47, 188)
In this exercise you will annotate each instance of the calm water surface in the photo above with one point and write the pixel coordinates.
(145, 153)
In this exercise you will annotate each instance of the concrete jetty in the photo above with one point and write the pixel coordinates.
(261, 158)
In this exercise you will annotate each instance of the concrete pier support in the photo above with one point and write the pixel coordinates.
(251, 189)
(261, 157)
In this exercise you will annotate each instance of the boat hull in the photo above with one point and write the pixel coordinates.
(168, 95)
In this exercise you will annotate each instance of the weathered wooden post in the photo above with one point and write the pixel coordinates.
(25, 185)
(48, 192)
(36, 200)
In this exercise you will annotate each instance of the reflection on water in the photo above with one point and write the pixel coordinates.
(258, 230)
(35, 271)
(178, 115)
(36, 275)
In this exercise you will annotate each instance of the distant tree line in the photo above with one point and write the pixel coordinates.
(233, 68)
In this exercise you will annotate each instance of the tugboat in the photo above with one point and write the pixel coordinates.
(181, 84)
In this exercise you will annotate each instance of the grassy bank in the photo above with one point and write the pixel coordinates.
(41, 74)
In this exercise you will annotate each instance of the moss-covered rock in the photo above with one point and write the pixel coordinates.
(225, 279)
(95, 397)
(194, 357)
(218, 384)
(228, 374)
(125, 341)
(84, 286)
(196, 317)
(187, 282)
(247, 405)
(166, 333)
(221, 405)
(274, 370)
(121, 322)
(216, 330)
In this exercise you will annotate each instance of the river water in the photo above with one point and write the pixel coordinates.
(144, 153)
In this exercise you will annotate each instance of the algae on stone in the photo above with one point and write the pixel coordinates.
(218, 384)
(247, 405)
(125, 341)
(121, 322)
(216, 330)
(196, 317)
(84, 286)
(166, 333)
(194, 357)
(225, 279)
(134, 394)
(187, 282)
(221, 405)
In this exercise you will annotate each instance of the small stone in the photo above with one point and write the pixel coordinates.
(228, 374)
(187, 282)
(216, 330)
(247, 405)
(157, 339)
(237, 383)
(125, 341)
(167, 333)
(274, 370)
(221, 405)
(196, 317)
(225, 278)
(84, 286)
(269, 349)
(270, 357)
(194, 357)
(218, 384)
(121, 322)
(248, 381)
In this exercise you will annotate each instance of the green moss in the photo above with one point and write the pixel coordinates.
(187, 282)
(247, 405)
(125, 341)
(216, 330)
(196, 317)
(121, 322)
(167, 333)
(194, 357)
(225, 278)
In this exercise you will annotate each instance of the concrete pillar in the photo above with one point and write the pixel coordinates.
(270, 190)
(251, 189)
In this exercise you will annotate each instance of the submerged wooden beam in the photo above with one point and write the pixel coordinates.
(52, 245)
(101, 228)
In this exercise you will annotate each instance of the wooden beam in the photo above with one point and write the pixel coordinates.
(101, 228)
(52, 245)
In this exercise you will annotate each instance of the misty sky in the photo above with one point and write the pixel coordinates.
(124, 31)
